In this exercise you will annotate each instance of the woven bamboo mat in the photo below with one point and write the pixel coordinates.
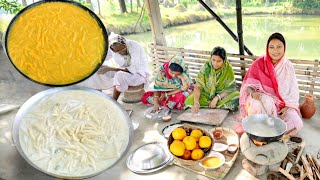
(230, 137)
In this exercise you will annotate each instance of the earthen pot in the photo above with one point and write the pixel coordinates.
(308, 107)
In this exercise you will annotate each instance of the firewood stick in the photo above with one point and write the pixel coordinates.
(313, 167)
(300, 152)
(316, 173)
(284, 163)
(288, 166)
(304, 176)
(289, 176)
(301, 171)
(316, 162)
(307, 167)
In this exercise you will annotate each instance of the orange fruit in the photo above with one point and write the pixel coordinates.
(196, 134)
(179, 134)
(190, 143)
(186, 155)
(197, 146)
(205, 142)
(197, 154)
(177, 148)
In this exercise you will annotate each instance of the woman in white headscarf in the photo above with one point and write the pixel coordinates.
(133, 64)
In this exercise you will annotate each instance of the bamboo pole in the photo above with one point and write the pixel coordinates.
(316, 74)
(156, 22)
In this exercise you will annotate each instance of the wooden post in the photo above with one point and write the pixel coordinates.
(239, 27)
(315, 70)
(156, 22)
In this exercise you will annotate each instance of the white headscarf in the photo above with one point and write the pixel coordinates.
(116, 38)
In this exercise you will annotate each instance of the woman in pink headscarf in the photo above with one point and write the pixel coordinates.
(270, 86)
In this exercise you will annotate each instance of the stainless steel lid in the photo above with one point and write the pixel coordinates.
(149, 158)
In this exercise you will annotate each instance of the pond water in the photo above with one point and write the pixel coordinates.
(302, 35)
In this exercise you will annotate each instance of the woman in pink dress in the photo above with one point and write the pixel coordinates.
(270, 86)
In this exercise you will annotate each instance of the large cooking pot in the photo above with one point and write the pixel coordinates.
(121, 116)
(264, 128)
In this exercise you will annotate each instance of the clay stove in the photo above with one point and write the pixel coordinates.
(263, 156)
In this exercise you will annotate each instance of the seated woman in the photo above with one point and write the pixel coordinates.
(172, 85)
(270, 86)
(133, 68)
(216, 87)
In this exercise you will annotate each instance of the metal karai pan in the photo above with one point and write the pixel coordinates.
(264, 128)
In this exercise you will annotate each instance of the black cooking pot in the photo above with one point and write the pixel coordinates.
(264, 128)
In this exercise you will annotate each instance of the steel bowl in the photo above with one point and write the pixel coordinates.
(41, 95)
(149, 158)
(264, 128)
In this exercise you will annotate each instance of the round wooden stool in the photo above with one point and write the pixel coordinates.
(133, 94)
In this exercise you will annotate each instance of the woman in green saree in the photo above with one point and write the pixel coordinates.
(215, 85)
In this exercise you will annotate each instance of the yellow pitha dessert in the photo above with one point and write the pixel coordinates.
(56, 43)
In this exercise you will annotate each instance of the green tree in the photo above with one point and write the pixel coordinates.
(123, 8)
(12, 7)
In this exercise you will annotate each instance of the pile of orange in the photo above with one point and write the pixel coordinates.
(189, 146)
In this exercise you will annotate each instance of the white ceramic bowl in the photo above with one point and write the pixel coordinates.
(213, 154)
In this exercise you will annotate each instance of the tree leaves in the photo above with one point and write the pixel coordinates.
(11, 7)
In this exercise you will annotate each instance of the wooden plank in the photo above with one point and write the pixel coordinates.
(307, 73)
(306, 67)
(314, 76)
(308, 83)
(308, 88)
(178, 49)
(289, 176)
(307, 78)
(300, 152)
(295, 61)
(307, 167)
(314, 168)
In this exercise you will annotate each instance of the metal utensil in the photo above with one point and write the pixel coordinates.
(149, 158)
(264, 133)
(28, 105)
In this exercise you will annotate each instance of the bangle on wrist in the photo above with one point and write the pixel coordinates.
(155, 96)
(218, 95)
(197, 103)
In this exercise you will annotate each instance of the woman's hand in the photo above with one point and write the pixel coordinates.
(213, 103)
(256, 95)
(283, 112)
(156, 107)
(195, 108)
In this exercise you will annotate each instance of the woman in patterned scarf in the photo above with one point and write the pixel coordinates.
(215, 87)
(172, 85)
